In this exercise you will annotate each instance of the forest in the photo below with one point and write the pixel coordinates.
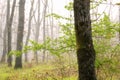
(60, 40)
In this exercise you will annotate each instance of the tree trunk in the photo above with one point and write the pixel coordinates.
(44, 28)
(5, 33)
(51, 22)
(37, 30)
(18, 61)
(119, 27)
(9, 60)
(85, 49)
(29, 28)
(3, 58)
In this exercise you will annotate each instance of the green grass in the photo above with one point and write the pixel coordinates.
(52, 72)
(39, 72)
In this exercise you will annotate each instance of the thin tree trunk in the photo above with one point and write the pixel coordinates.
(119, 26)
(85, 49)
(3, 58)
(29, 28)
(6, 30)
(9, 60)
(18, 61)
(37, 30)
(52, 20)
(44, 27)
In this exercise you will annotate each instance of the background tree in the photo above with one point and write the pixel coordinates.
(85, 49)
(3, 58)
(18, 61)
(5, 33)
(37, 29)
(31, 14)
(44, 27)
(9, 27)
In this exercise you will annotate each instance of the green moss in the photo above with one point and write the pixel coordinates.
(4, 76)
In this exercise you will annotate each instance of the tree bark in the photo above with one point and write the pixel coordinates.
(3, 58)
(37, 30)
(29, 28)
(18, 61)
(51, 21)
(44, 27)
(9, 60)
(85, 48)
(119, 27)
(5, 33)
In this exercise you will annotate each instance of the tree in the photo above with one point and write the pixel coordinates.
(9, 27)
(44, 27)
(4, 45)
(119, 23)
(31, 14)
(37, 29)
(85, 48)
(5, 33)
(18, 61)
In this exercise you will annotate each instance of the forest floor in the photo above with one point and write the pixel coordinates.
(39, 72)
(53, 72)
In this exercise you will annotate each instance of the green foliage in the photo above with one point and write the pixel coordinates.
(104, 28)
(103, 32)
(35, 46)
(65, 42)
(62, 44)
(69, 6)
(15, 52)
(57, 16)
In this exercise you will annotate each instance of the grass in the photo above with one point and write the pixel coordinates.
(57, 71)
(39, 72)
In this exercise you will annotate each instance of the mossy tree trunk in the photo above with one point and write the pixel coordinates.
(85, 48)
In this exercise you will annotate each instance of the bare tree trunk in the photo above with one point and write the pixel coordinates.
(29, 28)
(52, 20)
(37, 30)
(3, 59)
(18, 61)
(44, 27)
(119, 26)
(85, 48)
(9, 60)
(6, 31)
(46, 55)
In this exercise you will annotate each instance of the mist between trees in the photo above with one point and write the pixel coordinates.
(60, 40)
